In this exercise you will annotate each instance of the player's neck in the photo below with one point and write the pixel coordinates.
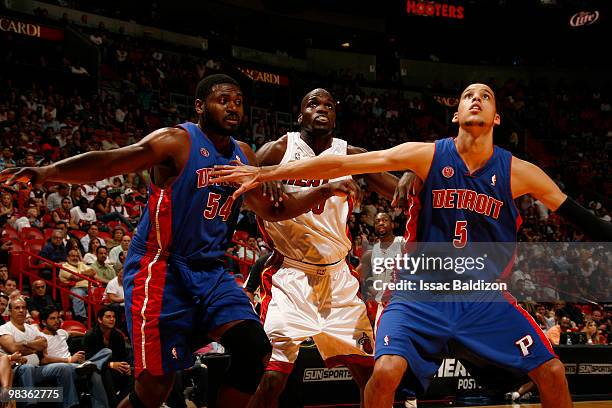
(387, 238)
(475, 150)
(317, 142)
(221, 142)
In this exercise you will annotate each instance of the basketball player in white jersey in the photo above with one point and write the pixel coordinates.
(308, 288)
(372, 266)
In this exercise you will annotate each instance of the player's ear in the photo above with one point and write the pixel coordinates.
(199, 106)
(497, 119)
(455, 117)
(299, 119)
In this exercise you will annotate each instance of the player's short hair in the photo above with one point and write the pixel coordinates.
(205, 86)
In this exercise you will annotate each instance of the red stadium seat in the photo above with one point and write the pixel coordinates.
(73, 326)
(34, 245)
(78, 234)
(10, 234)
(105, 236)
(114, 224)
(241, 235)
(48, 232)
(29, 233)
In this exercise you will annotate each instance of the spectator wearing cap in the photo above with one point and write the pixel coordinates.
(82, 216)
(55, 199)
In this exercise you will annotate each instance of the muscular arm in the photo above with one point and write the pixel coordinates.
(8, 344)
(166, 145)
(412, 155)
(382, 183)
(293, 204)
(527, 178)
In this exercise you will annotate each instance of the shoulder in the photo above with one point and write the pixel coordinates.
(272, 152)
(7, 328)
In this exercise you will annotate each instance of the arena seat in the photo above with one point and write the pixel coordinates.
(30, 233)
(73, 326)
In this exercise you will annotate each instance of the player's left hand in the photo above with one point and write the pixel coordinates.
(409, 185)
(238, 173)
(274, 190)
(346, 188)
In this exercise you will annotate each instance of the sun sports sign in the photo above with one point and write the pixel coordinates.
(327, 374)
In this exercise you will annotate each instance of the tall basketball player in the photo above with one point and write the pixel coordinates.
(309, 290)
(468, 193)
(177, 293)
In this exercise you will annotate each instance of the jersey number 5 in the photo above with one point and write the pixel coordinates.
(460, 234)
(212, 207)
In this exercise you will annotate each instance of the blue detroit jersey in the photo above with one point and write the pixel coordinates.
(481, 202)
(466, 214)
(192, 219)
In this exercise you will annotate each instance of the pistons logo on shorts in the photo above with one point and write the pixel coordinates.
(204, 152)
(448, 172)
(365, 343)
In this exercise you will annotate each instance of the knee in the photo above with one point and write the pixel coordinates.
(249, 360)
(550, 373)
(388, 372)
(273, 383)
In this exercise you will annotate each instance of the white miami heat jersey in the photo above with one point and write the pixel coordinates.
(318, 236)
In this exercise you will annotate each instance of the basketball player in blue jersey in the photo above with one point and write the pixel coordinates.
(468, 193)
(177, 292)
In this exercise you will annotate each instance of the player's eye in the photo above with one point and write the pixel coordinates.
(330, 106)
(468, 95)
(486, 96)
(238, 102)
(312, 104)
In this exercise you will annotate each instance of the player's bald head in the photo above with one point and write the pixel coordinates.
(316, 92)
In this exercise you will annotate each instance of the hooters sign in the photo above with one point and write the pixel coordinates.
(434, 9)
(12, 25)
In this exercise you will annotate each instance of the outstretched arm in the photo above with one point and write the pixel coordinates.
(527, 178)
(412, 155)
(164, 145)
(296, 203)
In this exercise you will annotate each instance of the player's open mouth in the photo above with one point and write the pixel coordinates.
(475, 108)
(233, 121)
(322, 119)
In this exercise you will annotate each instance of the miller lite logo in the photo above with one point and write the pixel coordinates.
(204, 152)
(448, 172)
(584, 18)
(365, 343)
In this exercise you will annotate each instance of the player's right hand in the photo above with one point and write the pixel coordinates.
(237, 173)
(23, 175)
(346, 188)
(408, 186)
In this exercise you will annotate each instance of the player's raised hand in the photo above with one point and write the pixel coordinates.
(409, 185)
(23, 175)
(237, 173)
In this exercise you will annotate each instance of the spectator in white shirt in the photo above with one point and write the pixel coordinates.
(92, 233)
(123, 247)
(18, 336)
(54, 200)
(58, 352)
(82, 215)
